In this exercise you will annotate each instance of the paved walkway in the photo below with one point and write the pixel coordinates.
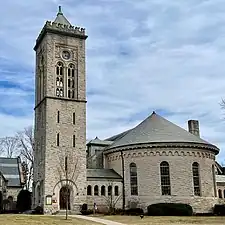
(97, 220)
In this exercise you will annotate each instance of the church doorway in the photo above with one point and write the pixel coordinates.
(64, 197)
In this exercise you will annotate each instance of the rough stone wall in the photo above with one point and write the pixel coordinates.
(11, 191)
(95, 157)
(3, 187)
(180, 162)
(50, 158)
(103, 202)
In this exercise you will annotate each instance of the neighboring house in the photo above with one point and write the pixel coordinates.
(3, 190)
(220, 180)
(12, 171)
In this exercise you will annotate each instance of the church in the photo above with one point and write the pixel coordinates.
(154, 162)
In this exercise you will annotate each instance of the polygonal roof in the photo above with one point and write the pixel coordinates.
(158, 130)
(60, 18)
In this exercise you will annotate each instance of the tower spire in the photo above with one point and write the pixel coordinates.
(60, 18)
(60, 10)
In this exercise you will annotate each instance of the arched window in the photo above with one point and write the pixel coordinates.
(61, 92)
(133, 179)
(96, 190)
(116, 190)
(89, 192)
(57, 139)
(61, 82)
(103, 190)
(71, 81)
(224, 193)
(165, 178)
(59, 79)
(71, 69)
(109, 190)
(57, 92)
(59, 68)
(220, 193)
(196, 178)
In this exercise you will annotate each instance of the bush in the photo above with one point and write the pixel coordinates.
(38, 210)
(170, 209)
(119, 211)
(219, 210)
(23, 201)
(84, 207)
(86, 212)
(134, 211)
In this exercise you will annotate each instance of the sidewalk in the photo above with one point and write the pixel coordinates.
(97, 220)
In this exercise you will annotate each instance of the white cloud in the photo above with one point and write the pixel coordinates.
(141, 56)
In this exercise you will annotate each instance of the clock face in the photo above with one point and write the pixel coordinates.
(66, 54)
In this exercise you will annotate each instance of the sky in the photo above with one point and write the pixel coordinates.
(141, 56)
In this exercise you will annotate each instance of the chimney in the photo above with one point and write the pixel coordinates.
(193, 127)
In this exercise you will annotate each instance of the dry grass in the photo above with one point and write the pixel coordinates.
(167, 220)
(40, 220)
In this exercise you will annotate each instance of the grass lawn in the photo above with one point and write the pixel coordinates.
(7, 219)
(167, 220)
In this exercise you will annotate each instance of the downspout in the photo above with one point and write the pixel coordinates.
(123, 182)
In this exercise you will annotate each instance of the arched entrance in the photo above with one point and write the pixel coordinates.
(64, 197)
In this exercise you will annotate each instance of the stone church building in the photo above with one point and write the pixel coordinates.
(156, 161)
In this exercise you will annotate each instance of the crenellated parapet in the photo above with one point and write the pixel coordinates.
(63, 27)
(58, 28)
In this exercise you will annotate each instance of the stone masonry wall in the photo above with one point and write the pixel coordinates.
(103, 202)
(50, 158)
(180, 162)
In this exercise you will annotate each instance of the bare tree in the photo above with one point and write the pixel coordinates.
(110, 199)
(9, 146)
(25, 146)
(67, 171)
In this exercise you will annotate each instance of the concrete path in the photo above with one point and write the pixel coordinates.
(97, 220)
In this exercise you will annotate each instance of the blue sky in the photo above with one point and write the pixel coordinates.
(146, 55)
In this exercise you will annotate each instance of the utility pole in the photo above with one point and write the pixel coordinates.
(67, 191)
(123, 182)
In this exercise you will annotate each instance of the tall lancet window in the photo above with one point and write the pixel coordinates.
(196, 179)
(165, 178)
(133, 179)
(71, 81)
(41, 78)
(59, 79)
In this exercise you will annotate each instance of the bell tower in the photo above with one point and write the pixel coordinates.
(60, 116)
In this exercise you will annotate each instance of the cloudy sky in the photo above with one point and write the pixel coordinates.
(145, 55)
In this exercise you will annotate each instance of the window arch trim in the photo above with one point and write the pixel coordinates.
(196, 179)
(165, 178)
(133, 179)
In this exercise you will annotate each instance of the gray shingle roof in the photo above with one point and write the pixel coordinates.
(102, 174)
(97, 141)
(156, 129)
(10, 169)
(60, 18)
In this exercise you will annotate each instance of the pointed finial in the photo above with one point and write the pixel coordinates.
(60, 10)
